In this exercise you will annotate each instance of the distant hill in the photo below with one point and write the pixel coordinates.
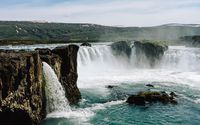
(65, 32)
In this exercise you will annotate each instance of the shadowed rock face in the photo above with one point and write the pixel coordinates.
(122, 48)
(68, 71)
(86, 44)
(22, 92)
(22, 88)
(152, 51)
(52, 59)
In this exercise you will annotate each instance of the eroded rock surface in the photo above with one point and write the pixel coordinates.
(22, 98)
(22, 87)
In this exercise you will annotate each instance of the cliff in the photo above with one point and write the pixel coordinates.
(22, 97)
(152, 50)
(22, 88)
(64, 61)
(145, 51)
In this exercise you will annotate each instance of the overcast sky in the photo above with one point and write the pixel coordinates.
(105, 12)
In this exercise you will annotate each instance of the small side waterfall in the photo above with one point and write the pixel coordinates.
(55, 94)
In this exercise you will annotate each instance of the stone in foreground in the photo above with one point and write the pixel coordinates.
(143, 98)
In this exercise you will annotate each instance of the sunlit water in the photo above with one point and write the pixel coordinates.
(98, 67)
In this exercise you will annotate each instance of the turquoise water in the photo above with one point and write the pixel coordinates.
(177, 71)
(107, 110)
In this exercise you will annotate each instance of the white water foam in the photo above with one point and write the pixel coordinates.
(84, 114)
(197, 101)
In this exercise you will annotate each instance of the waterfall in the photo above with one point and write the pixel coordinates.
(102, 58)
(181, 57)
(98, 66)
(55, 94)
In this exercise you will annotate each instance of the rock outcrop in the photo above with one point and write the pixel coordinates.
(64, 62)
(122, 48)
(143, 98)
(68, 55)
(86, 44)
(153, 51)
(22, 99)
(22, 88)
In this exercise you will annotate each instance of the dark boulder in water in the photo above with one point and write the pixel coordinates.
(150, 85)
(122, 48)
(136, 99)
(149, 97)
(173, 94)
(110, 86)
(86, 44)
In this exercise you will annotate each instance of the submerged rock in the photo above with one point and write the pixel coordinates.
(110, 86)
(86, 44)
(149, 97)
(136, 99)
(150, 85)
(173, 94)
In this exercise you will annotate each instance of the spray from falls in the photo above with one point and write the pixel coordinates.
(55, 94)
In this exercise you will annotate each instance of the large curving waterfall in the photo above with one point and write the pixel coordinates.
(99, 66)
(175, 57)
(55, 94)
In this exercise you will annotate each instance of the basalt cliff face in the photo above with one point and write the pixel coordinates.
(64, 62)
(149, 50)
(22, 87)
(22, 97)
(152, 51)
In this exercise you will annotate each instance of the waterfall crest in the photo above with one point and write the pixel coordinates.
(102, 57)
(55, 94)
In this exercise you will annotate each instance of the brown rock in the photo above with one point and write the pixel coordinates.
(68, 55)
(150, 96)
(22, 98)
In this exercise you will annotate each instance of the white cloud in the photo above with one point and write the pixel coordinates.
(114, 12)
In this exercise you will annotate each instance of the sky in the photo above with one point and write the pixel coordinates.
(104, 12)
